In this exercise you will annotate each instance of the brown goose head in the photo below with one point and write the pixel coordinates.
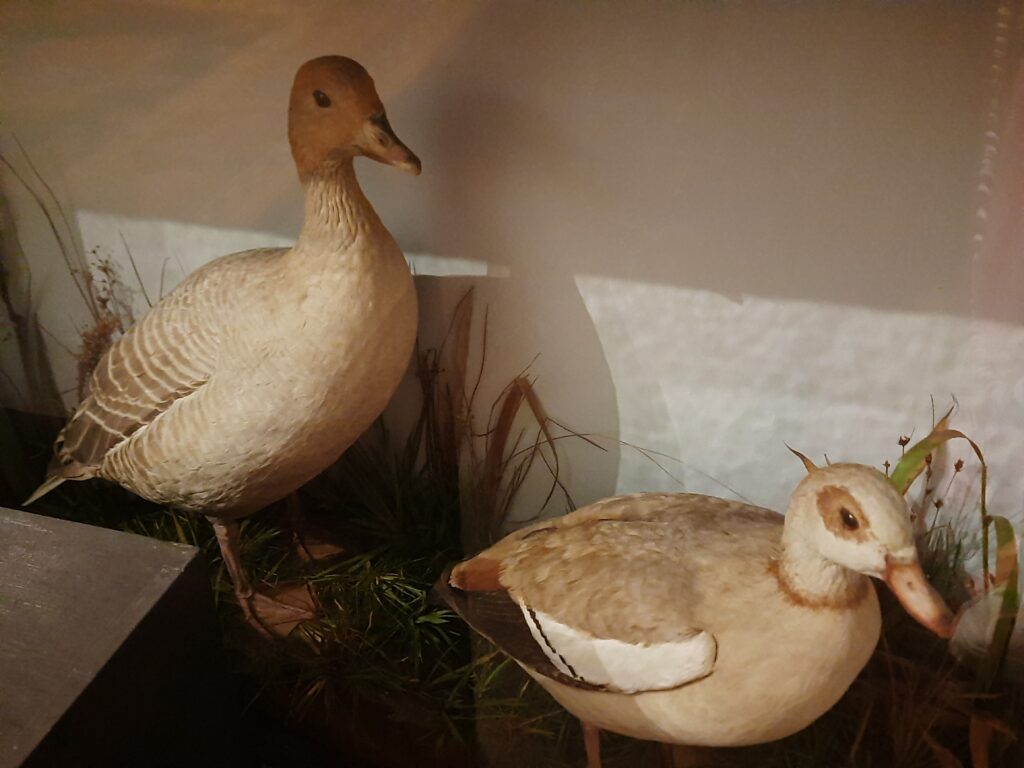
(335, 114)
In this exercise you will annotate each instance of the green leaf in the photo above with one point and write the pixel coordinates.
(435, 617)
(913, 462)
(915, 458)
(1007, 579)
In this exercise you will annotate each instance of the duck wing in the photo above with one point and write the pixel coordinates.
(614, 596)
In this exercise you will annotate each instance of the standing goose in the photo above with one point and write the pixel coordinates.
(694, 620)
(262, 367)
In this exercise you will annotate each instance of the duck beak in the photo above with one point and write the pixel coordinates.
(907, 581)
(385, 147)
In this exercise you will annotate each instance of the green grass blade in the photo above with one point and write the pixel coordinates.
(1008, 578)
(914, 461)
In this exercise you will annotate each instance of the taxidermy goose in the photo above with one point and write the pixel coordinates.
(261, 368)
(694, 620)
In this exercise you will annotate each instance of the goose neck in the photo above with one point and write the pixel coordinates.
(337, 212)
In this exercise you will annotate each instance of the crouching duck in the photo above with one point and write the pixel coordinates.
(261, 368)
(694, 620)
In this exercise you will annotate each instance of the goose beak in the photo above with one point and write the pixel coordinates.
(384, 146)
(907, 581)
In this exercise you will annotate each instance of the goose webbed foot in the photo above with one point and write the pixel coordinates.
(278, 611)
(273, 611)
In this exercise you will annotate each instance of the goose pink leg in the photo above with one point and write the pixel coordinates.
(268, 616)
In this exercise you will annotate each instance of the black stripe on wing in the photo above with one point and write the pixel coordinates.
(496, 616)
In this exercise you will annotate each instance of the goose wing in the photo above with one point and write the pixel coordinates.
(167, 356)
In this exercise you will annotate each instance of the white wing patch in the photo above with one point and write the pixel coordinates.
(617, 665)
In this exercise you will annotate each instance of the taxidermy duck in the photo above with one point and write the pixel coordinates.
(694, 620)
(262, 367)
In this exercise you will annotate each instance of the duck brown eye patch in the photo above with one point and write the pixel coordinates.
(322, 99)
(841, 513)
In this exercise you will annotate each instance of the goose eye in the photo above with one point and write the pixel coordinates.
(850, 521)
(322, 99)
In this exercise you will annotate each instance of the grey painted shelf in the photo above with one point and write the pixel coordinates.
(109, 650)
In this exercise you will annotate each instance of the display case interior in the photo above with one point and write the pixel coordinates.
(648, 247)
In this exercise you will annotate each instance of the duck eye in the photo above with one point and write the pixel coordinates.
(850, 521)
(322, 99)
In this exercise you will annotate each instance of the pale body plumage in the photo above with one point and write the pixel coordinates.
(695, 620)
(293, 354)
(779, 664)
(264, 366)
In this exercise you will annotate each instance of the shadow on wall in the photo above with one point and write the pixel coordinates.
(536, 317)
(775, 150)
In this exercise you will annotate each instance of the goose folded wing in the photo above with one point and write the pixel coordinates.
(169, 355)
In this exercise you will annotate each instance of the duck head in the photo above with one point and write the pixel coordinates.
(851, 515)
(335, 114)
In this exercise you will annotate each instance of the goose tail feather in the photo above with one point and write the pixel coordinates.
(48, 485)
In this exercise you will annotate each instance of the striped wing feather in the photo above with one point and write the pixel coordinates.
(169, 355)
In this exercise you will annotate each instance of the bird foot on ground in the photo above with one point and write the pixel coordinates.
(277, 611)
(312, 548)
